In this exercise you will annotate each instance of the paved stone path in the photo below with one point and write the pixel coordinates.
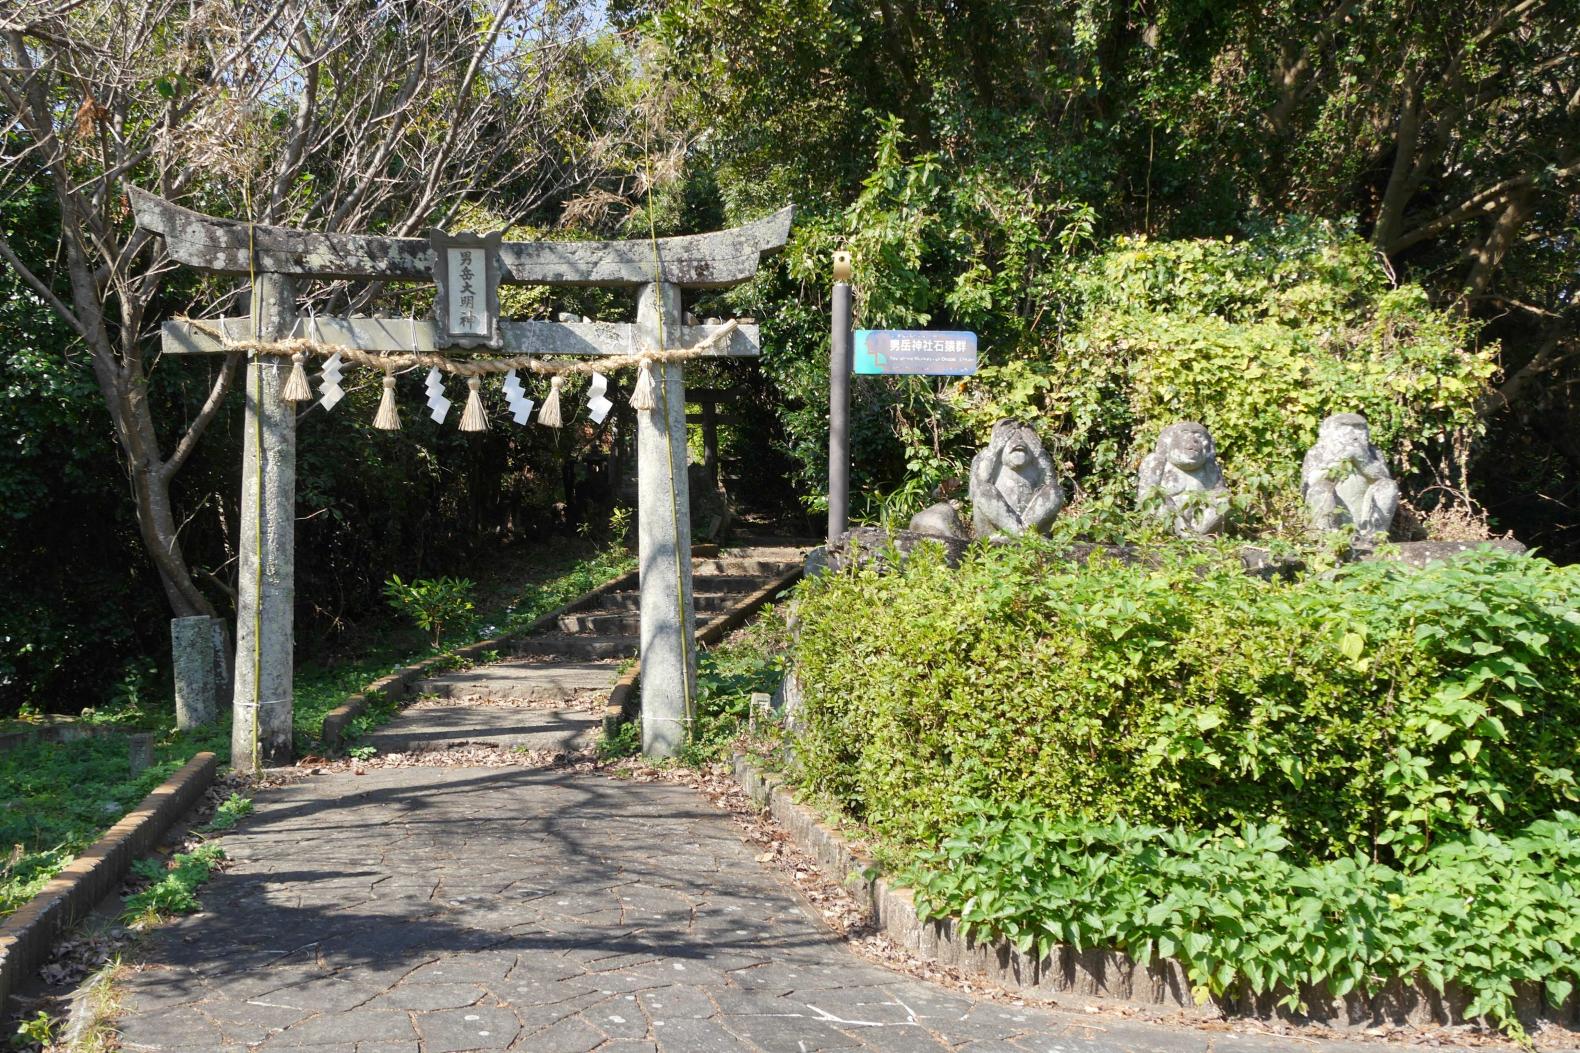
(431, 910)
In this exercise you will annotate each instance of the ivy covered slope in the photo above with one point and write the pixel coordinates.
(1380, 746)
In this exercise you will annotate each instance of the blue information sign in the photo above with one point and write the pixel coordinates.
(928, 352)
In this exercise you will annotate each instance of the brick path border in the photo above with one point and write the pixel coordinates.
(27, 935)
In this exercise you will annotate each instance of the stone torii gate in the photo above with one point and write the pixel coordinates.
(275, 257)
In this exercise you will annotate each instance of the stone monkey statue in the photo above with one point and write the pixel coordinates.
(1014, 487)
(1345, 480)
(1182, 475)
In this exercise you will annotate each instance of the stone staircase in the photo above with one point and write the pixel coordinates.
(551, 694)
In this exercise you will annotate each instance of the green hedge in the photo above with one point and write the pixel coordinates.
(1374, 708)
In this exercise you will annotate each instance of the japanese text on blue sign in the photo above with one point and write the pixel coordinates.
(927, 352)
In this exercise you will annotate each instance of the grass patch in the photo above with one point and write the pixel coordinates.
(58, 798)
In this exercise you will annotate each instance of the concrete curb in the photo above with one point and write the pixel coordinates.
(398, 684)
(623, 697)
(1097, 975)
(28, 934)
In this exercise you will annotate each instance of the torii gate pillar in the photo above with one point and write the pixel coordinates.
(261, 705)
(261, 735)
(669, 630)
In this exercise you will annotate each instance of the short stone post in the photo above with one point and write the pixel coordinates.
(140, 750)
(669, 659)
(261, 703)
(197, 685)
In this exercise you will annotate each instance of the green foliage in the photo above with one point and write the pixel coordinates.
(1258, 338)
(432, 603)
(230, 812)
(76, 602)
(56, 798)
(1432, 132)
(727, 677)
(362, 752)
(172, 889)
(1480, 910)
(625, 742)
(34, 1032)
(1372, 709)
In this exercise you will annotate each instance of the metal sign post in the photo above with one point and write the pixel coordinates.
(839, 404)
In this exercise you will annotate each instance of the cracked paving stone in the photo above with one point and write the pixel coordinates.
(571, 1035)
(430, 910)
(476, 1027)
(384, 1025)
(424, 997)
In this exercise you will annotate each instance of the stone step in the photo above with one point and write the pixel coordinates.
(631, 600)
(581, 647)
(524, 681)
(598, 623)
(728, 582)
(762, 568)
(504, 727)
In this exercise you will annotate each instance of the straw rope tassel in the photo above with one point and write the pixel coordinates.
(296, 387)
(474, 419)
(549, 415)
(642, 393)
(389, 417)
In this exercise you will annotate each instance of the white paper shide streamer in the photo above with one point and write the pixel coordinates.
(516, 399)
(440, 405)
(598, 406)
(329, 389)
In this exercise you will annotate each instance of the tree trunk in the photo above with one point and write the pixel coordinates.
(1488, 256)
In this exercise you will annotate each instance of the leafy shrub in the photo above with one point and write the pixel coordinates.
(1374, 708)
(230, 812)
(172, 889)
(34, 1032)
(432, 603)
(1481, 910)
(625, 742)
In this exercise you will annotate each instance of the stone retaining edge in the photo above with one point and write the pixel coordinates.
(399, 683)
(623, 697)
(27, 935)
(1095, 975)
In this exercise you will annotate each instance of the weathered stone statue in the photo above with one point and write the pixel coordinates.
(1014, 488)
(1345, 481)
(1181, 480)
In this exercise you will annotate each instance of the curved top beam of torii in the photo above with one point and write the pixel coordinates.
(695, 261)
